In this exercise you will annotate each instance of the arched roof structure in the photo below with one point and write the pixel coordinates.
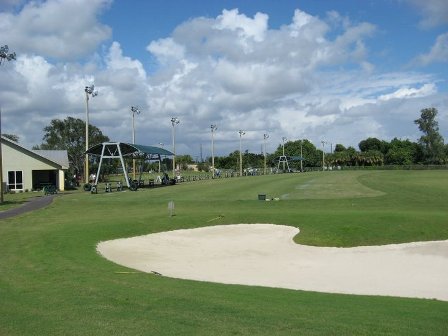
(118, 150)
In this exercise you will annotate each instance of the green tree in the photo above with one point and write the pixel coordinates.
(402, 152)
(339, 148)
(69, 134)
(370, 144)
(431, 140)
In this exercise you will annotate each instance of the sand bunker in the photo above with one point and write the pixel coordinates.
(265, 255)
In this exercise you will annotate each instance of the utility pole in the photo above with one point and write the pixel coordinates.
(90, 91)
(134, 110)
(5, 55)
(241, 133)
(265, 136)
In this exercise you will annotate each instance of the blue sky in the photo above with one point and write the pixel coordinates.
(334, 70)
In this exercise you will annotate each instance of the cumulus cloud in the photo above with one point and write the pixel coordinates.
(245, 27)
(434, 12)
(55, 28)
(311, 78)
(437, 54)
(406, 92)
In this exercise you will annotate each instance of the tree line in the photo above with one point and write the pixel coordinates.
(69, 134)
(429, 149)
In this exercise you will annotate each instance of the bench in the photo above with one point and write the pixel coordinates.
(49, 189)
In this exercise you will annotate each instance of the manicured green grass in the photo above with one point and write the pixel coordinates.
(52, 281)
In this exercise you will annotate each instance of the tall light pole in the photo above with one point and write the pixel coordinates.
(241, 133)
(5, 56)
(323, 154)
(90, 91)
(265, 136)
(160, 144)
(301, 156)
(213, 128)
(134, 110)
(174, 121)
(284, 158)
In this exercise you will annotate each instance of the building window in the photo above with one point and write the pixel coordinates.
(15, 180)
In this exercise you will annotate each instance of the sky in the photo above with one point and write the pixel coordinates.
(337, 71)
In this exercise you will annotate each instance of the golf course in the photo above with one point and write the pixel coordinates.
(53, 280)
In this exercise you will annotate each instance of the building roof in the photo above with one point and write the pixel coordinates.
(56, 157)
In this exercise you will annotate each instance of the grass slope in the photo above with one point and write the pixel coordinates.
(52, 281)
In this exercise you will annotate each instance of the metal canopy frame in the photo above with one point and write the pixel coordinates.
(118, 150)
(283, 159)
(286, 159)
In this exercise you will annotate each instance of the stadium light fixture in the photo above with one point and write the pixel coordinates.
(134, 110)
(241, 133)
(323, 154)
(265, 137)
(213, 128)
(90, 92)
(174, 121)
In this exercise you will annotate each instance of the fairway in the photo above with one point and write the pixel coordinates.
(53, 281)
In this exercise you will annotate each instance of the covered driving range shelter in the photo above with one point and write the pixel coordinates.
(119, 150)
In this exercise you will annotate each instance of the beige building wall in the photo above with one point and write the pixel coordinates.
(16, 160)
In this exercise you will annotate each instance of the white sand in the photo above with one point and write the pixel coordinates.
(265, 255)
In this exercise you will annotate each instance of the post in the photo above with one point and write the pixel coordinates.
(241, 133)
(174, 121)
(265, 136)
(134, 110)
(213, 128)
(283, 145)
(323, 155)
(86, 169)
(90, 91)
(301, 156)
(5, 55)
(160, 159)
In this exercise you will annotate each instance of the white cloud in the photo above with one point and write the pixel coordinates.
(116, 62)
(166, 49)
(434, 12)
(245, 27)
(55, 28)
(438, 52)
(306, 79)
(406, 92)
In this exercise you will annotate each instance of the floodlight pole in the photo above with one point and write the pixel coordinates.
(213, 128)
(301, 156)
(134, 110)
(283, 145)
(323, 154)
(160, 144)
(90, 91)
(241, 133)
(174, 121)
(265, 136)
(4, 56)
